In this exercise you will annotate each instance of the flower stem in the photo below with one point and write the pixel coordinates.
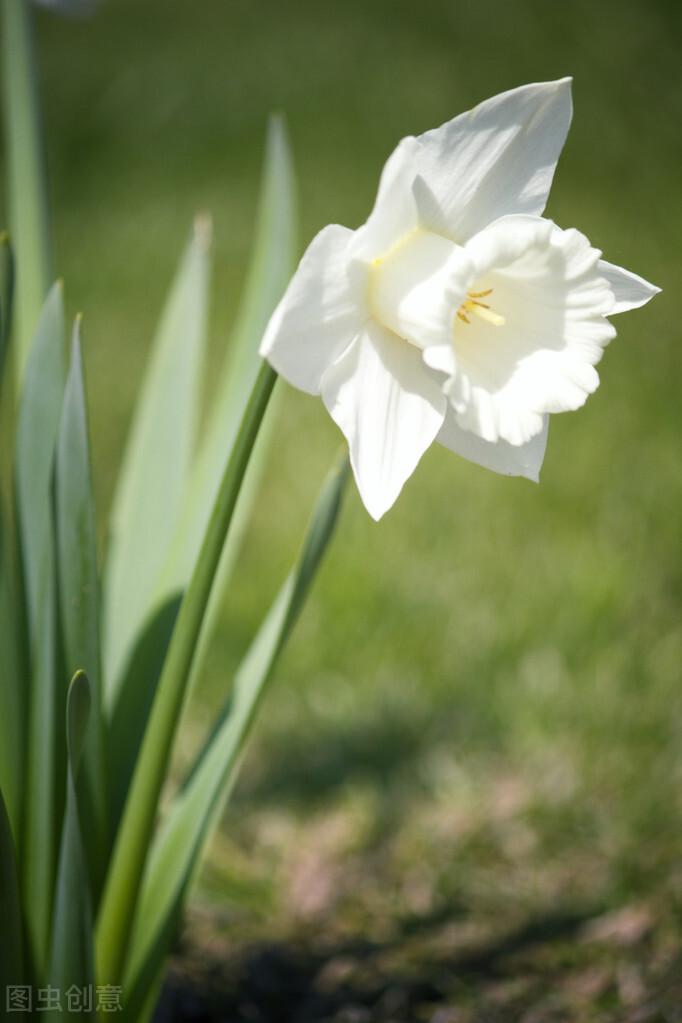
(137, 825)
(27, 200)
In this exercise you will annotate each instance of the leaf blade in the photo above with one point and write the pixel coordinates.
(71, 956)
(28, 206)
(76, 533)
(12, 690)
(6, 298)
(11, 961)
(156, 464)
(177, 850)
(137, 824)
(271, 265)
(38, 421)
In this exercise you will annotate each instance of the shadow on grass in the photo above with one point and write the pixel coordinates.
(357, 981)
(378, 751)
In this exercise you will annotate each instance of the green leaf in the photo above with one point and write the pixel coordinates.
(44, 767)
(196, 810)
(272, 264)
(7, 377)
(11, 960)
(156, 467)
(28, 209)
(71, 957)
(130, 715)
(79, 591)
(6, 295)
(12, 690)
(39, 414)
(137, 824)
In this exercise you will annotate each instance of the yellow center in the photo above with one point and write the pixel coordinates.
(473, 306)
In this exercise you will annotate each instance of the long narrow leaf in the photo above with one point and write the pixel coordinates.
(78, 588)
(71, 956)
(26, 173)
(44, 768)
(6, 298)
(130, 852)
(12, 682)
(128, 720)
(155, 472)
(194, 814)
(7, 358)
(12, 690)
(272, 263)
(11, 960)
(39, 414)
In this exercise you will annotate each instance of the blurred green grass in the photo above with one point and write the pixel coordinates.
(488, 631)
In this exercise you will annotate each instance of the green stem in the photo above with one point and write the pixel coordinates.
(28, 212)
(137, 825)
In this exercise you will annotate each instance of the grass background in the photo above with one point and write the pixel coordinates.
(479, 716)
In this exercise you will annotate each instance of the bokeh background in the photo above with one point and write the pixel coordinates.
(475, 732)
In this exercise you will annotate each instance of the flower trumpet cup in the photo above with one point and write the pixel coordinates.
(456, 313)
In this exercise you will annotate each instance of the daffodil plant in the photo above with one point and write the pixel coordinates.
(456, 313)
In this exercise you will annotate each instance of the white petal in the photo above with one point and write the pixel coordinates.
(508, 459)
(496, 159)
(390, 409)
(395, 211)
(547, 285)
(416, 289)
(630, 290)
(321, 312)
(441, 358)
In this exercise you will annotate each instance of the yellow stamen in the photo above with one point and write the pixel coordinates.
(480, 309)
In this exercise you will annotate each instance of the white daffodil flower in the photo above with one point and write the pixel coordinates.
(457, 313)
